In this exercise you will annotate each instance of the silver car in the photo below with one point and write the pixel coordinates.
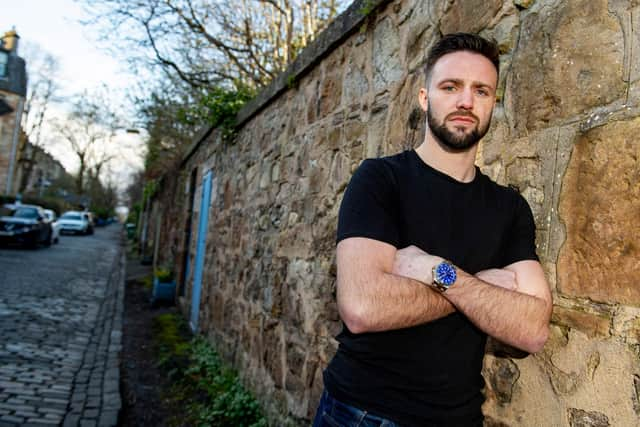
(75, 222)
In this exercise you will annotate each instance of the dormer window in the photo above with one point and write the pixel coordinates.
(4, 64)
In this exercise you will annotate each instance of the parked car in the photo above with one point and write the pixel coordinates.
(25, 224)
(55, 226)
(75, 222)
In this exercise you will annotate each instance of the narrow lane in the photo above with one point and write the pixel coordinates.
(60, 327)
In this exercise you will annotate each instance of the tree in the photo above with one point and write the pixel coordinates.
(208, 43)
(89, 130)
(42, 69)
(214, 55)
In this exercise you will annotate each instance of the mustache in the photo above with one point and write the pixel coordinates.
(464, 113)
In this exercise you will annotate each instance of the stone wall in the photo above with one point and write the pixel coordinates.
(564, 133)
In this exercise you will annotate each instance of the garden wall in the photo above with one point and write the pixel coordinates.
(565, 133)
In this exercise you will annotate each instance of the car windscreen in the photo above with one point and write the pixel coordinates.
(27, 213)
(71, 216)
(6, 211)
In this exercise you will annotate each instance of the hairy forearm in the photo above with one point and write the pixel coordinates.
(386, 301)
(515, 318)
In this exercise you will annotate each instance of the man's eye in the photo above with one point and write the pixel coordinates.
(449, 88)
(482, 92)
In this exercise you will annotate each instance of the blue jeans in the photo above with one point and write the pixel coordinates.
(333, 413)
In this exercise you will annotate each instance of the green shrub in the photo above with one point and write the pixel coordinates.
(227, 403)
(169, 332)
(206, 391)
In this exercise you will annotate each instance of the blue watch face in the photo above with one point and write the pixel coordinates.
(445, 274)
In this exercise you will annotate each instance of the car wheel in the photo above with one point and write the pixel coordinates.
(49, 240)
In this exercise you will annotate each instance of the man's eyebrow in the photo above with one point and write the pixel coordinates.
(450, 80)
(460, 82)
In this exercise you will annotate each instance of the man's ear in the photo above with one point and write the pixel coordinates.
(423, 99)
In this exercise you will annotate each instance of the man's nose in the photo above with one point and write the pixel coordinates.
(465, 100)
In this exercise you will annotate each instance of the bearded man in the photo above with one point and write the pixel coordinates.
(432, 257)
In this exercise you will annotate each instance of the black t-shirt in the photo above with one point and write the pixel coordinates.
(426, 375)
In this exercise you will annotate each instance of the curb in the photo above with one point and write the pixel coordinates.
(95, 399)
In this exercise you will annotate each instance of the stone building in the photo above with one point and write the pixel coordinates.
(37, 170)
(13, 90)
(250, 225)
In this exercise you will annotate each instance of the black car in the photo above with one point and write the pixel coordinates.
(24, 224)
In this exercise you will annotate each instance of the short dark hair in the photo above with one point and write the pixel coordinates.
(457, 42)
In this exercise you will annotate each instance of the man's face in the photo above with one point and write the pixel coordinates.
(460, 99)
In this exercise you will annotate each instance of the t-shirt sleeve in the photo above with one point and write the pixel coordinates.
(367, 208)
(521, 238)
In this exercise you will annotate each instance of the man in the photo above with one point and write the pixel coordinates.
(432, 257)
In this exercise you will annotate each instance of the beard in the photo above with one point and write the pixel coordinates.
(456, 141)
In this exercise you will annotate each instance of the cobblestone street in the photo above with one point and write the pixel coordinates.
(60, 331)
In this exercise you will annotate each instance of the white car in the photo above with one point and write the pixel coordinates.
(75, 222)
(55, 226)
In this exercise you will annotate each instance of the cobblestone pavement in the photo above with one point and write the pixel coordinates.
(60, 331)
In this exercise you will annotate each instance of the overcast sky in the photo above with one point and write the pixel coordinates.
(54, 26)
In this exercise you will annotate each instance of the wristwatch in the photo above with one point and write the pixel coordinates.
(444, 276)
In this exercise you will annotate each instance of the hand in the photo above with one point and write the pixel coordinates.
(499, 277)
(414, 263)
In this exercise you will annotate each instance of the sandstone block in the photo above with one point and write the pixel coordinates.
(599, 204)
(387, 68)
(355, 84)
(469, 15)
(560, 69)
(589, 323)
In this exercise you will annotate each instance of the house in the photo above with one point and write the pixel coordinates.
(43, 170)
(13, 90)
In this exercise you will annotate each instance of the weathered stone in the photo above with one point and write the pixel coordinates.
(505, 33)
(272, 357)
(469, 15)
(387, 68)
(524, 4)
(319, 172)
(556, 71)
(312, 90)
(340, 172)
(626, 324)
(504, 375)
(599, 204)
(417, 45)
(563, 383)
(593, 324)
(331, 87)
(375, 134)
(355, 85)
(404, 129)
(580, 418)
(491, 422)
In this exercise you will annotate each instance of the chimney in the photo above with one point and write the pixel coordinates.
(10, 41)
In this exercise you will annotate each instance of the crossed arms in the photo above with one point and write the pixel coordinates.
(381, 288)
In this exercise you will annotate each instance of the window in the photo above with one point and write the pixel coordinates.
(4, 62)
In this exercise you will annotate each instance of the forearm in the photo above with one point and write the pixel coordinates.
(515, 318)
(386, 301)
